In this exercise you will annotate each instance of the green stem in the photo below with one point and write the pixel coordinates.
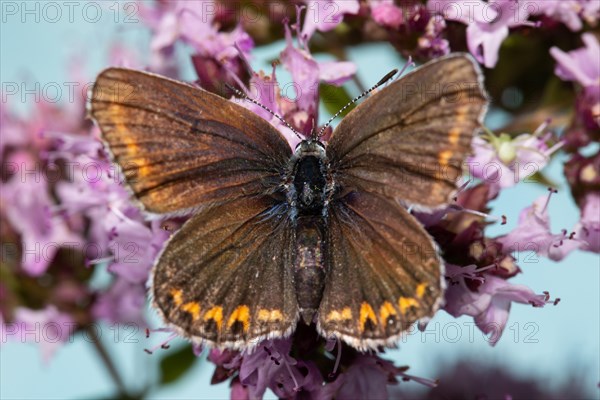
(359, 84)
(108, 363)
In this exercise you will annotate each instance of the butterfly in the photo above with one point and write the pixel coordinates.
(317, 234)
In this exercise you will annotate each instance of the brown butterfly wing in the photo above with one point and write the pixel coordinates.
(384, 272)
(409, 140)
(225, 277)
(405, 143)
(181, 147)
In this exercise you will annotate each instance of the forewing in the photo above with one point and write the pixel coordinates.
(409, 140)
(385, 273)
(181, 147)
(225, 277)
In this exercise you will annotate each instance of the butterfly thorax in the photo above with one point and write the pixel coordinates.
(307, 181)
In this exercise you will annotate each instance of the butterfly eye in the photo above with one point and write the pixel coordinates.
(306, 144)
(320, 145)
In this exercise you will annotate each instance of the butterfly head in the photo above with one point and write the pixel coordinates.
(310, 147)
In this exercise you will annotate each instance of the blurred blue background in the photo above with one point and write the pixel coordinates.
(553, 344)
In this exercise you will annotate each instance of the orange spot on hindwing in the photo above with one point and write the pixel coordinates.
(177, 296)
(454, 135)
(216, 314)
(336, 315)
(405, 303)
(265, 315)
(387, 313)
(193, 308)
(366, 314)
(421, 288)
(444, 157)
(240, 314)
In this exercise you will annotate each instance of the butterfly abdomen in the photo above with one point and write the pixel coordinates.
(309, 264)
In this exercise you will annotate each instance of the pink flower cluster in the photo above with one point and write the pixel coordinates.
(64, 200)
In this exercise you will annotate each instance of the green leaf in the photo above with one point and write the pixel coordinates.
(541, 179)
(334, 98)
(175, 364)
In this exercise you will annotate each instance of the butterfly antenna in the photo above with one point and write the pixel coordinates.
(383, 80)
(273, 113)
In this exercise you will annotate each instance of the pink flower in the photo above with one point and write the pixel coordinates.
(118, 235)
(569, 12)
(122, 302)
(432, 44)
(44, 118)
(193, 23)
(582, 66)
(488, 23)
(116, 225)
(325, 15)
(503, 161)
(533, 234)
(135, 246)
(32, 213)
(489, 303)
(270, 366)
(565, 11)
(579, 65)
(588, 229)
(13, 129)
(590, 11)
(411, 23)
(239, 391)
(265, 90)
(307, 73)
(386, 13)
(48, 327)
(367, 378)
(189, 21)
